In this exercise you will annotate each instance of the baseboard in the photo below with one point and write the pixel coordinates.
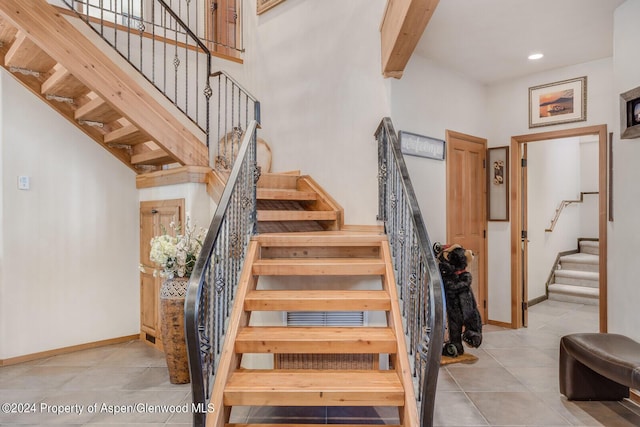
(538, 300)
(65, 350)
(501, 324)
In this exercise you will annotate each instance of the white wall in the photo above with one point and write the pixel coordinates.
(507, 112)
(553, 175)
(589, 151)
(315, 66)
(429, 100)
(624, 233)
(70, 247)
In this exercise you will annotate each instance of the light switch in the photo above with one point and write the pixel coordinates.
(24, 183)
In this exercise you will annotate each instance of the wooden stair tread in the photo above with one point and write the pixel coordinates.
(128, 135)
(316, 340)
(63, 83)
(317, 300)
(277, 215)
(285, 194)
(25, 54)
(313, 388)
(318, 267)
(305, 425)
(97, 110)
(152, 157)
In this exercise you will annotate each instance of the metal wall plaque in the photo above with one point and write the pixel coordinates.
(421, 146)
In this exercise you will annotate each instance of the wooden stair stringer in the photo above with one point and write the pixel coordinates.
(77, 51)
(324, 201)
(400, 361)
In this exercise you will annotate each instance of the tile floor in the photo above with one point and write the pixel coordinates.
(513, 383)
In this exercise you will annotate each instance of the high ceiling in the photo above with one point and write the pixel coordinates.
(489, 40)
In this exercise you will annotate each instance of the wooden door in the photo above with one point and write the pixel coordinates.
(223, 26)
(155, 217)
(466, 206)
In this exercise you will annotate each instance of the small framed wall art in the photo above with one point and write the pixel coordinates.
(559, 102)
(498, 184)
(630, 114)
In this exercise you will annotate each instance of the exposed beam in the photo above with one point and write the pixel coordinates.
(402, 26)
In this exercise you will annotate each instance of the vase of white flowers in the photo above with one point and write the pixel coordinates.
(176, 256)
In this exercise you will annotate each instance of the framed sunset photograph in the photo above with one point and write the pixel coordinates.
(559, 102)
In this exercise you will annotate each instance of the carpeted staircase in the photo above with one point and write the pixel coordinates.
(576, 278)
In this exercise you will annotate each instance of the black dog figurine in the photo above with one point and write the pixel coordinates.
(465, 323)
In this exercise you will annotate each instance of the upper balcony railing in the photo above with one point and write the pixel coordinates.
(154, 39)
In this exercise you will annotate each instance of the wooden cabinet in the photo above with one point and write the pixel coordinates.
(155, 217)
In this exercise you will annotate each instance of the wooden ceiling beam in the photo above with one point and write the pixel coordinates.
(402, 26)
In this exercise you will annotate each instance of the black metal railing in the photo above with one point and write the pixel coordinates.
(216, 275)
(235, 109)
(417, 274)
(218, 23)
(154, 39)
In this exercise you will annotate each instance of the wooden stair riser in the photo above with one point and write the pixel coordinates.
(289, 300)
(315, 340)
(333, 239)
(313, 388)
(278, 215)
(319, 267)
(278, 181)
(285, 194)
(304, 425)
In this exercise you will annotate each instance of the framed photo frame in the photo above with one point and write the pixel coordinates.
(498, 184)
(559, 102)
(264, 5)
(630, 114)
(422, 146)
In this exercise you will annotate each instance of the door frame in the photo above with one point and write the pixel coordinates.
(517, 285)
(483, 287)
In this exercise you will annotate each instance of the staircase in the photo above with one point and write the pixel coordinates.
(577, 278)
(74, 71)
(308, 363)
(290, 202)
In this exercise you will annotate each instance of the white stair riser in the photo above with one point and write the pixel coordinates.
(577, 299)
(589, 247)
(579, 266)
(577, 281)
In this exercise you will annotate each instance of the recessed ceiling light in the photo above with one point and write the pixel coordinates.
(535, 56)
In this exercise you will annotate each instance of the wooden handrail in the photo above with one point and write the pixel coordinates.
(562, 206)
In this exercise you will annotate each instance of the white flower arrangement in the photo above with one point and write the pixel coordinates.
(176, 255)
